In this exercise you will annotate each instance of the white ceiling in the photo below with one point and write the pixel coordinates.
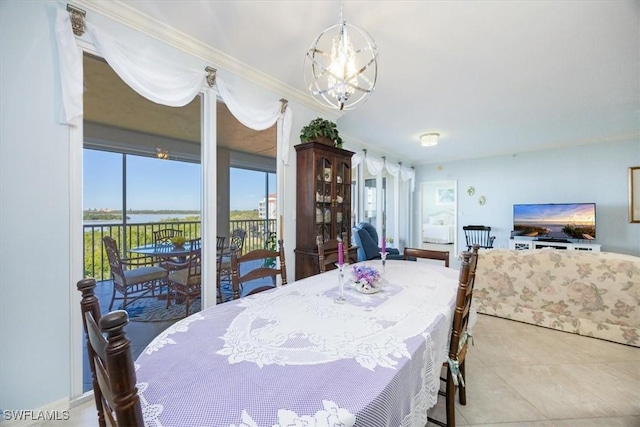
(492, 77)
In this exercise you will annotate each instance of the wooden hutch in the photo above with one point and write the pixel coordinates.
(323, 202)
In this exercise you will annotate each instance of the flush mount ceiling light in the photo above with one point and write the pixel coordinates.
(429, 139)
(341, 66)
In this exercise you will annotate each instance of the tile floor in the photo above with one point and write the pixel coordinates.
(524, 375)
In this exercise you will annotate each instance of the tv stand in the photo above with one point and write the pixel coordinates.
(526, 244)
(551, 239)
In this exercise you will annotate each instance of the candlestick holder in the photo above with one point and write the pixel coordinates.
(383, 256)
(340, 299)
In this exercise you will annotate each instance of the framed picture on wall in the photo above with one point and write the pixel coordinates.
(634, 194)
(445, 196)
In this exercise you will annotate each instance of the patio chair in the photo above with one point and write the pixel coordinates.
(219, 249)
(259, 264)
(165, 235)
(236, 243)
(111, 362)
(412, 254)
(459, 339)
(185, 279)
(133, 283)
(162, 237)
(478, 234)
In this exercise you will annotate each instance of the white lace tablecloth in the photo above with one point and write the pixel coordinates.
(293, 357)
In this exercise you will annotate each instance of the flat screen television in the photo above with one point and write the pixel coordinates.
(557, 221)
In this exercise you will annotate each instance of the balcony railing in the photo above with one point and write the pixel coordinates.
(96, 263)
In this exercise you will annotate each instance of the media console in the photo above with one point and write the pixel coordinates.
(525, 244)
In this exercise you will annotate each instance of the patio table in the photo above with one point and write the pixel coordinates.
(292, 356)
(163, 250)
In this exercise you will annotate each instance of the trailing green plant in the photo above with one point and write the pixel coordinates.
(271, 243)
(320, 127)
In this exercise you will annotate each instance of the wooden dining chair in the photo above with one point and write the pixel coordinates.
(328, 253)
(185, 279)
(412, 254)
(132, 283)
(459, 339)
(110, 360)
(258, 264)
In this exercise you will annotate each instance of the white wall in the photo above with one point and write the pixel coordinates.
(586, 173)
(34, 213)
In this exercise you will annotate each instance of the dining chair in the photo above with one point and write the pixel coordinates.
(478, 234)
(328, 253)
(132, 282)
(219, 249)
(412, 254)
(459, 339)
(185, 279)
(110, 360)
(257, 265)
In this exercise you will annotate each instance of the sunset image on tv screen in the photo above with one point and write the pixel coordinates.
(562, 221)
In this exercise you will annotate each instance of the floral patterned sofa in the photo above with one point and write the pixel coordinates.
(595, 294)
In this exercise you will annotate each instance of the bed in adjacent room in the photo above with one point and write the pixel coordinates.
(438, 228)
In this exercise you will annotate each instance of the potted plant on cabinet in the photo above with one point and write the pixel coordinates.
(323, 131)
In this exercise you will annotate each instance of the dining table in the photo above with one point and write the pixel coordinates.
(293, 356)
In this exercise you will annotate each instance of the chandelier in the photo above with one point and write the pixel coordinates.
(337, 73)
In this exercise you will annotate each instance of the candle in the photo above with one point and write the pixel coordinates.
(340, 254)
(384, 244)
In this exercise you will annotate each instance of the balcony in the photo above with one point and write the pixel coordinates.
(96, 264)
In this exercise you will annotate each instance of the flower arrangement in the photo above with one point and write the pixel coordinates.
(365, 275)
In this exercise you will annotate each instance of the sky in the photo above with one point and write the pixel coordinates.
(160, 184)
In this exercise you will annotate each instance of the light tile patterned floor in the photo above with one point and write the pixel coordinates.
(520, 375)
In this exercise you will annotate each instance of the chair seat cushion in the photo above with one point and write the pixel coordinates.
(144, 274)
(182, 276)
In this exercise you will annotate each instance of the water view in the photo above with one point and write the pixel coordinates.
(142, 218)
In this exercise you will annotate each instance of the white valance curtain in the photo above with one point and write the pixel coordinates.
(375, 167)
(172, 86)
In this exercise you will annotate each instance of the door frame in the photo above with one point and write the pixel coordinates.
(76, 256)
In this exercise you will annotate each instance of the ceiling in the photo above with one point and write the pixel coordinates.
(492, 77)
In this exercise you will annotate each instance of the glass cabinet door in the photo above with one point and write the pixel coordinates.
(342, 203)
(324, 197)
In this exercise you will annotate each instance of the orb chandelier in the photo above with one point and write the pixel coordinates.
(341, 66)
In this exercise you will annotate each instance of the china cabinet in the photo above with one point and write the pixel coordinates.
(323, 201)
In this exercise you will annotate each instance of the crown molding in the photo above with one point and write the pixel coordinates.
(126, 15)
